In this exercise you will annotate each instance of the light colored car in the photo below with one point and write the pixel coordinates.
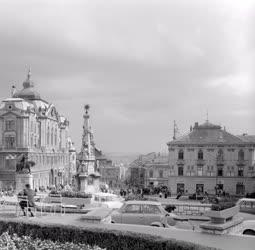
(143, 213)
(248, 227)
(107, 200)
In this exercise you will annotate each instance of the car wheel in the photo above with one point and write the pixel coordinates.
(249, 232)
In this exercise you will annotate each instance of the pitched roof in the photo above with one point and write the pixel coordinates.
(207, 133)
(247, 138)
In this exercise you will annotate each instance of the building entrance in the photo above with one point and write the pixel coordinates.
(240, 189)
(199, 188)
(180, 188)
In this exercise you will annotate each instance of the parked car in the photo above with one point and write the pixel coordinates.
(149, 213)
(107, 200)
(247, 227)
(250, 195)
(196, 196)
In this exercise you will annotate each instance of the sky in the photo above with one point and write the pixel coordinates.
(139, 64)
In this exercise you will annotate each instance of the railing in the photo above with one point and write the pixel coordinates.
(200, 161)
(190, 209)
(180, 162)
(247, 205)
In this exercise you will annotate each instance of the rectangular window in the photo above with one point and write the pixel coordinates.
(160, 173)
(10, 125)
(180, 171)
(132, 208)
(240, 172)
(220, 172)
(9, 142)
(180, 187)
(199, 170)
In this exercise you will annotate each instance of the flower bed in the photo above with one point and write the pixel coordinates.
(71, 194)
(13, 242)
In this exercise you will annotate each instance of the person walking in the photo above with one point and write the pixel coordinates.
(30, 193)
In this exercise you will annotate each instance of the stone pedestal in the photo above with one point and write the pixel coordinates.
(222, 222)
(21, 180)
(89, 184)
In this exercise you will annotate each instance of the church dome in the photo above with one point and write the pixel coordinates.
(28, 91)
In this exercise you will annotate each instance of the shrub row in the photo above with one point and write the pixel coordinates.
(109, 239)
(221, 203)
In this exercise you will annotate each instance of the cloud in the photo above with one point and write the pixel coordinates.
(140, 64)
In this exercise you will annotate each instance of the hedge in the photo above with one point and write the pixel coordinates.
(109, 239)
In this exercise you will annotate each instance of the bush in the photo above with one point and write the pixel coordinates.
(13, 242)
(109, 239)
(71, 194)
(223, 203)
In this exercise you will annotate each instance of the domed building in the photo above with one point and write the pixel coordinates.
(210, 159)
(32, 130)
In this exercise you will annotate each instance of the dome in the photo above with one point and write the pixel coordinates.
(28, 91)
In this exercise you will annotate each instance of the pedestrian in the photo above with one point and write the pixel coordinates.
(30, 193)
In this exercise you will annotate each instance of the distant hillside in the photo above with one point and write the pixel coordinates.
(125, 158)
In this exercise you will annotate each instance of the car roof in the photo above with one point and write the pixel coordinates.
(245, 199)
(143, 202)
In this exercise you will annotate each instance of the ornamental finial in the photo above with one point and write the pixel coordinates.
(29, 73)
(86, 107)
(207, 120)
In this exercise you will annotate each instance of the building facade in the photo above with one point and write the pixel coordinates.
(209, 159)
(31, 129)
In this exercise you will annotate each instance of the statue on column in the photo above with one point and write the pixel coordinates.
(24, 166)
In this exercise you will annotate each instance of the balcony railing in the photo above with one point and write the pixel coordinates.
(180, 162)
(220, 161)
(200, 162)
(241, 162)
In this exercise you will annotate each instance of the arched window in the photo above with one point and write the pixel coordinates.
(240, 155)
(180, 155)
(200, 155)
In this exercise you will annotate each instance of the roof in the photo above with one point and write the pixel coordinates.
(28, 92)
(247, 138)
(207, 133)
(17, 102)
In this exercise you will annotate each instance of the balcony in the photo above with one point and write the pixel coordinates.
(241, 162)
(220, 161)
(180, 162)
(200, 162)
